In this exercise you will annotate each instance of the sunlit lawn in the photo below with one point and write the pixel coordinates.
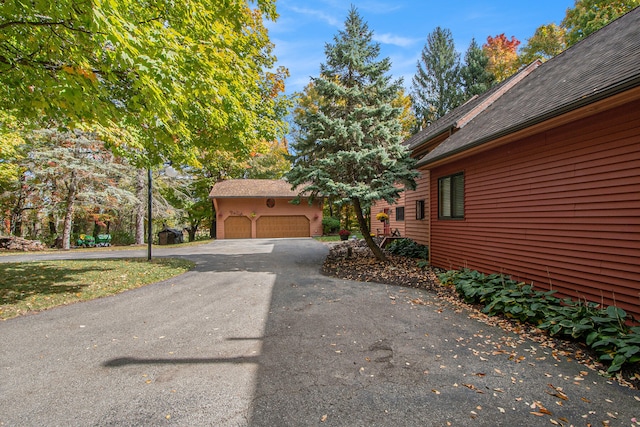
(336, 238)
(34, 286)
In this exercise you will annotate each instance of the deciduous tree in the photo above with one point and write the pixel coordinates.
(503, 56)
(71, 169)
(407, 115)
(548, 41)
(588, 16)
(189, 73)
(350, 143)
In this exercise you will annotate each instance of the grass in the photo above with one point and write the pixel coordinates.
(335, 237)
(110, 248)
(327, 238)
(28, 287)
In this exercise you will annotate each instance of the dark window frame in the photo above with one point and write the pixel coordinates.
(420, 209)
(399, 213)
(451, 197)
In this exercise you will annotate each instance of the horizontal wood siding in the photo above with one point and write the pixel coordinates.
(560, 209)
(380, 206)
(418, 229)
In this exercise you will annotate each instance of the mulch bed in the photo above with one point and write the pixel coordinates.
(353, 260)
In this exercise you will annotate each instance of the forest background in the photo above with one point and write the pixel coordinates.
(98, 97)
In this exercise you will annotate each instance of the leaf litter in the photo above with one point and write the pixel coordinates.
(362, 266)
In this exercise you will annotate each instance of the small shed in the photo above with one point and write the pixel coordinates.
(263, 208)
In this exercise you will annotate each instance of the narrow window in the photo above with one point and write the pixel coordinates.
(400, 213)
(451, 196)
(419, 209)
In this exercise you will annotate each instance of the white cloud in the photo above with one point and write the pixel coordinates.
(318, 14)
(388, 38)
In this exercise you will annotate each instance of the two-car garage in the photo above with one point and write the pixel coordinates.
(254, 208)
(239, 227)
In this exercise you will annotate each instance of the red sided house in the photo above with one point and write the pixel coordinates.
(262, 208)
(410, 214)
(539, 178)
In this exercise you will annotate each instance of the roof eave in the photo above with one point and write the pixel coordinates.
(629, 84)
(445, 130)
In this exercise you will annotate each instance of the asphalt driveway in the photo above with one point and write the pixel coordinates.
(256, 336)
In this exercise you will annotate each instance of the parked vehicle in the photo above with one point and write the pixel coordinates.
(88, 241)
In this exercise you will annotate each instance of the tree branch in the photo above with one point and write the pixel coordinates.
(64, 24)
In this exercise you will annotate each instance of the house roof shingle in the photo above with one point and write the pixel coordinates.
(601, 65)
(461, 115)
(243, 188)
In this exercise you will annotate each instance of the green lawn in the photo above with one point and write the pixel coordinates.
(34, 286)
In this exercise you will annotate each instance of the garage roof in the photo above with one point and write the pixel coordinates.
(243, 188)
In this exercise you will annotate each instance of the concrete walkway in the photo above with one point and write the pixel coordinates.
(255, 336)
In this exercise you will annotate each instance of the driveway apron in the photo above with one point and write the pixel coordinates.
(254, 335)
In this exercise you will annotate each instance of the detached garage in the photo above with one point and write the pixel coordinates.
(262, 208)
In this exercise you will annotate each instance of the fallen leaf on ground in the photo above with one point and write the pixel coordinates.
(472, 387)
(557, 392)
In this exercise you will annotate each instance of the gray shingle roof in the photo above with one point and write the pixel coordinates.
(459, 116)
(603, 64)
(243, 188)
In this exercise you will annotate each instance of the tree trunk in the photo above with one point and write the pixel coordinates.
(68, 217)
(18, 210)
(52, 225)
(366, 233)
(140, 212)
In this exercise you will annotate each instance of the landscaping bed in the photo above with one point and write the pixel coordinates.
(353, 260)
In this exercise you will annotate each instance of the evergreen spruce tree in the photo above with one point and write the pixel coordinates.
(436, 84)
(476, 79)
(350, 147)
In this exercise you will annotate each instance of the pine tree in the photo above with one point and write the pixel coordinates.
(476, 79)
(436, 84)
(350, 147)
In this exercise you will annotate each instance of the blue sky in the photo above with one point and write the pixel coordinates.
(401, 27)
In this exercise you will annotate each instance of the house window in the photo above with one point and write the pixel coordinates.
(451, 196)
(400, 213)
(419, 209)
(271, 203)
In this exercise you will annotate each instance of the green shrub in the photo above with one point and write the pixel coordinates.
(408, 248)
(330, 225)
(604, 330)
(122, 238)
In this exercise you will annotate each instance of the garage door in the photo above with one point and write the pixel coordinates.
(282, 226)
(237, 227)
